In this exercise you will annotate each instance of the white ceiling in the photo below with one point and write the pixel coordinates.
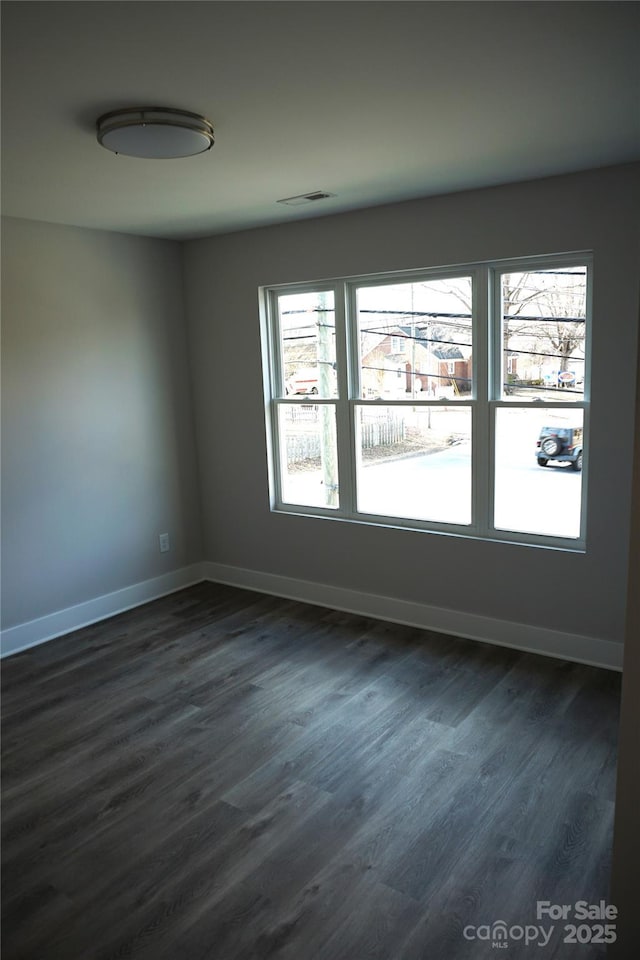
(371, 101)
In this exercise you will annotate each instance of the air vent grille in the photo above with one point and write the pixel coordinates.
(303, 198)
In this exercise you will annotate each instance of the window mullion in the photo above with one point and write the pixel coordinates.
(494, 384)
(481, 427)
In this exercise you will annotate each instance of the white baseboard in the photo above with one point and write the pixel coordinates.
(29, 634)
(519, 636)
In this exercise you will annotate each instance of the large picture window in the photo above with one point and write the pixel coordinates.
(452, 400)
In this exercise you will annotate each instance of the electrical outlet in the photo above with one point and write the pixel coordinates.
(164, 542)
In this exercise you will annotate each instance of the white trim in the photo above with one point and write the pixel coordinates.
(502, 633)
(34, 632)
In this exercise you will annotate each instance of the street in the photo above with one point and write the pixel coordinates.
(437, 487)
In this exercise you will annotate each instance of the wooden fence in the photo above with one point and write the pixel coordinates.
(382, 430)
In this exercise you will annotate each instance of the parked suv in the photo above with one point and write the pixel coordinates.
(560, 443)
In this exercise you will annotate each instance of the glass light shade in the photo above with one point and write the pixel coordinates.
(154, 133)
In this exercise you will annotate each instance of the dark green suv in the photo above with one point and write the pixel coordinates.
(560, 443)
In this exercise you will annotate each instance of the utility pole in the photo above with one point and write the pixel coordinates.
(328, 445)
(413, 347)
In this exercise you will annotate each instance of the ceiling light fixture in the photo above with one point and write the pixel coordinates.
(154, 133)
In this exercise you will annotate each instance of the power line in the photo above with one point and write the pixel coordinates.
(416, 313)
(419, 340)
(542, 353)
(439, 315)
(418, 373)
(533, 318)
(459, 343)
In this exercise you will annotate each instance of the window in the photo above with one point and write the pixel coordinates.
(450, 400)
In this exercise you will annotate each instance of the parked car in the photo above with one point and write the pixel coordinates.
(563, 444)
(304, 380)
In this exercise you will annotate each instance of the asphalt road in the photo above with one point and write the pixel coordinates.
(437, 487)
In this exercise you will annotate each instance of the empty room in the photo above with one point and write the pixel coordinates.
(320, 480)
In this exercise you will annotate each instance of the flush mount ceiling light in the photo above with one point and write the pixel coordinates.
(154, 133)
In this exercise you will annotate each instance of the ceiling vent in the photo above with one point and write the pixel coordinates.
(303, 198)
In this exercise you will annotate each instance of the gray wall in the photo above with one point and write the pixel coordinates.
(578, 593)
(626, 847)
(97, 443)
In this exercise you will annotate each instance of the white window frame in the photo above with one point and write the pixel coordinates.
(485, 399)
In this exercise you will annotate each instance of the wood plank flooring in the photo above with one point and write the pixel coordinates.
(222, 775)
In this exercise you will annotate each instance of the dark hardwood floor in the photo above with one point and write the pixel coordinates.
(222, 775)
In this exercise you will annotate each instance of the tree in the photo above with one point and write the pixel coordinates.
(564, 326)
(544, 308)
